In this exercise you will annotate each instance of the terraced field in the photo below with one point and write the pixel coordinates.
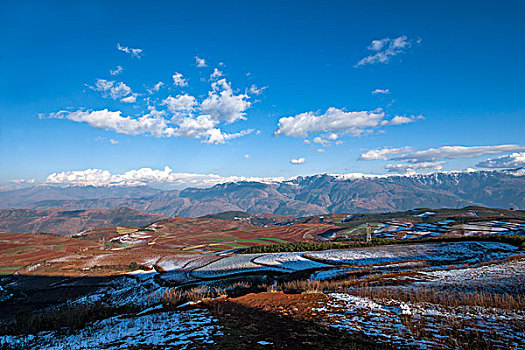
(104, 284)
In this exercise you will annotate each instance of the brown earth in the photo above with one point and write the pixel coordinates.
(280, 321)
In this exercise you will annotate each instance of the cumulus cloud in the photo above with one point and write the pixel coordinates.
(201, 127)
(145, 176)
(182, 115)
(178, 80)
(129, 99)
(113, 141)
(385, 49)
(185, 116)
(116, 71)
(133, 52)
(513, 160)
(223, 104)
(320, 140)
(383, 153)
(453, 152)
(402, 119)
(380, 91)
(152, 123)
(216, 74)
(298, 161)
(335, 120)
(181, 103)
(114, 90)
(200, 62)
(412, 168)
(196, 127)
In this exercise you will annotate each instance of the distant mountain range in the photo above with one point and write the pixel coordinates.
(301, 196)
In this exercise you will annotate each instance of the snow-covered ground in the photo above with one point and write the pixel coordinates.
(460, 265)
(232, 265)
(423, 325)
(184, 262)
(289, 261)
(458, 252)
(181, 329)
(507, 277)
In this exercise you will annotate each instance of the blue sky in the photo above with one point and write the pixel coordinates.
(306, 87)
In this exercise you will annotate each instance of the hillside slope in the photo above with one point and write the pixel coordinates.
(67, 222)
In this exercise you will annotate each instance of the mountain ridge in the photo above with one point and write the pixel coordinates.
(303, 195)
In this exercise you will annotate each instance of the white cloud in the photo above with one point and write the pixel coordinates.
(190, 127)
(145, 176)
(320, 150)
(385, 49)
(412, 168)
(23, 181)
(513, 160)
(189, 118)
(200, 62)
(401, 119)
(133, 52)
(335, 120)
(298, 161)
(181, 103)
(453, 152)
(378, 45)
(216, 74)
(129, 99)
(178, 80)
(320, 140)
(112, 89)
(101, 139)
(216, 136)
(383, 154)
(116, 71)
(204, 127)
(152, 123)
(223, 104)
(256, 90)
(180, 116)
(380, 91)
(156, 87)
(247, 156)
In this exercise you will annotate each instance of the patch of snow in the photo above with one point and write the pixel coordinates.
(459, 252)
(289, 261)
(235, 264)
(182, 329)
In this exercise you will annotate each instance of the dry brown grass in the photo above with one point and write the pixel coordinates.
(174, 297)
(443, 297)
